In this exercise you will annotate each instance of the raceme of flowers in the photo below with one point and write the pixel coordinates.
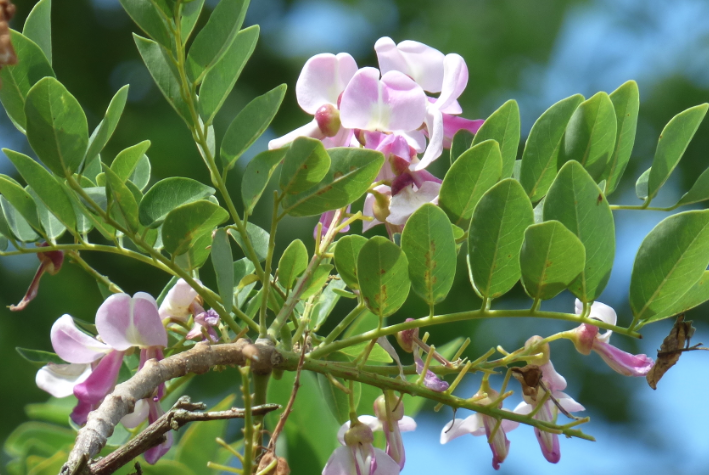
(391, 110)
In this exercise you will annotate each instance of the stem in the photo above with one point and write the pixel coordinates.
(266, 279)
(642, 207)
(462, 316)
(344, 323)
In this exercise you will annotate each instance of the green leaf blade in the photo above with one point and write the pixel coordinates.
(383, 275)
(346, 255)
(150, 19)
(496, 235)
(223, 263)
(305, 164)
(38, 27)
(576, 201)
(504, 127)
(185, 224)
(168, 194)
(257, 175)
(626, 103)
(539, 159)
(103, 132)
(429, 245)
(293, 262)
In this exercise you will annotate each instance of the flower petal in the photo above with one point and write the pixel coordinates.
(152, 455)
(311, 129)
(455, 78)
(423, 63)
(124, 322)
(178, 300)
(409, 200)
(436, 132)
(135, 418)
(367, 420)
(385, 465)
(394, 103)
(322, 80)
(407, 424)
(101, 380)
(548, 442)
(567, 402)
(472, 424)
(81, 412)
(59, 379)
(391, 351)
(452, 124)
(621, 362)
(555, 381)
(340, 463)
(73, 345)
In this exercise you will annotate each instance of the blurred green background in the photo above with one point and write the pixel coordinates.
(534, 52)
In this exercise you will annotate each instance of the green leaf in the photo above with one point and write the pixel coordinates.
(674, 140)
(185, 224)
(55, 410)
(305, 164)
(626, 102)
(19, 226)
(197, 446)
(168, 194)
(190, 15)
(257, 175)
(259, 240)
(215, 38)
(578, 203)
(346, 254)
(141, 175)
(551, 258)
(540, 157)
(316, 281)
(50, 192)
(503, 126)
(377, 355)
(38, 27)
(4, 243)
(39, 358)
(54, 436)
(429, 245)
(249, 124)
(20, 200)
(124, 197)
(326, 303)
(694, 296)
(293, 262)
(171, 467)
(223, 263)
(383, 275)
(352, 171)
(462, 141)
(53, 228)
(103, 132)
(698, 192)
(590, 135)
(495, 237)
(472, 174)
(56, 126)
(336, 399)
(164, 73)
(197, 254)
(126, 161)
(149, 19)
(641, 186)
(220, 80)
(17, 80)
(671, 260)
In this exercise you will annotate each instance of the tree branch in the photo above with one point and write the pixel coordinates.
(200, 359)
(180, 414)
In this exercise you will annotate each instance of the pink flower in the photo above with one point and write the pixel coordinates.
(204, 323)
(318, 90)
(326, 220)
(358, 456)
(179, 302)
(555, 383)
(587, 337)
(391, 420)
(480, 424)
(434, 72)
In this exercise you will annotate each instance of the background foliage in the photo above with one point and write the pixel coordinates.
(536, 53)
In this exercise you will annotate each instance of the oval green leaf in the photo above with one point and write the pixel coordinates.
(38, 27)
(223, 262)
(429, 245)
(103, 132)
(122, 194)
(187, 223)
(383, 275)
(150, 19)
(346, 254)
(293, 262)
(127, 160)
(495, 237)
(551, 258)
(305, 164)
(258, 236)
(56, 126)
(674, 140)
(168, 194)
(462, 141)
(540, 157)
(590, 135)
(626, 102)
(578, 203)
(503, 126)
(472, 174)
(671, 260)
(257, 175)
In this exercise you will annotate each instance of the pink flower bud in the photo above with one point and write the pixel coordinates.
(328, 119)
(406, 338)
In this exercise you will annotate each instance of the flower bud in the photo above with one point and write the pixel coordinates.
(359, 434)
(380, 209)
(583, 337)
(406, 338)
(51, 260)
(396, 407)
(543, 349)
(328, 119)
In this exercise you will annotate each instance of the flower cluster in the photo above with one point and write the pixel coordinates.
(390, 110)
